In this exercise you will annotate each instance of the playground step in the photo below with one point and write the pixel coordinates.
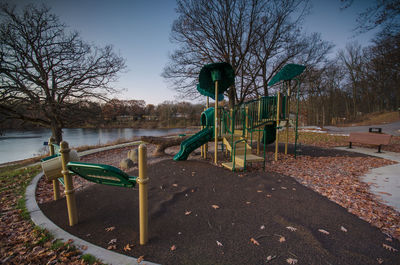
(229, 165)
(239, 146)
(239, 159)
(238, 132)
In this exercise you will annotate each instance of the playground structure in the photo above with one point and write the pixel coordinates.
(60, 167)
(258, 120)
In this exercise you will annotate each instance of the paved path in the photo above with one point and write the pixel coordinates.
(390, 128)
(385, 181)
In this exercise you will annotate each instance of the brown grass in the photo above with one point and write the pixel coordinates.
(376, 118)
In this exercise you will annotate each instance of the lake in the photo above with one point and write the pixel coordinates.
(18, 144)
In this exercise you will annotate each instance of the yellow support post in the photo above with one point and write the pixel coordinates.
(143, 195)
(278, 109)
(56, 184)
(69, 185)
(216, 124)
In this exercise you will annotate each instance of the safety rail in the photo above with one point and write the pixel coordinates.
(234, 150)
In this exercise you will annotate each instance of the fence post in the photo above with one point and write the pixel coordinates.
(143, 195)
(56, 184)
(69, 185)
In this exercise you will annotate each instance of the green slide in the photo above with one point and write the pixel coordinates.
(194, 142)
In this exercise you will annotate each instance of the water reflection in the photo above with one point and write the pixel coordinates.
(17, 145)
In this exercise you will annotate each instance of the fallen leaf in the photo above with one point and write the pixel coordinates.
(269, 195)
(262, 227)
(259, 191)
(109, 229)
(112, 241)
(291, 228)
(188, 212)
(343, 229)
(173, 248)
(112, 247)
(291, 261)
(379, 260)
(248, 203)
(255, 242)
(283, 188)
(269, 258)
(140, 259)
(84, 247)
(128, 247)
(390, 248)
(282, 239)
(215, 206)
(323, 231)
(175, 185)
(219, 244)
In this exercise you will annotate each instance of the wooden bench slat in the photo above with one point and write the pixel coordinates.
(378, 139)
(370, 138)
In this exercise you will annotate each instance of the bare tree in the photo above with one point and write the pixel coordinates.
(383, 13)
(256, 37)
(352, 60)
(44, 69)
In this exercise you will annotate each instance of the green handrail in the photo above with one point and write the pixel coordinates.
(234, 151)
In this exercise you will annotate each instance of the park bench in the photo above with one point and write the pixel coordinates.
(378, 139)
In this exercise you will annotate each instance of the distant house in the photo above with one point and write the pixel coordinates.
(125, 118)
(150, 117)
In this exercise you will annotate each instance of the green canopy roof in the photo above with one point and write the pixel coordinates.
(288, 72)
(208, 94)
(223, 72)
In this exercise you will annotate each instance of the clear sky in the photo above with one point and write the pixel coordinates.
(139, 31)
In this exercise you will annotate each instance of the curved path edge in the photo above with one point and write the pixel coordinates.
(106, 256)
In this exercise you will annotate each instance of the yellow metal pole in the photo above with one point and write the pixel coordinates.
(56, 185)
(278, 109)
(216, 124)
(143, 195)
(69, 185)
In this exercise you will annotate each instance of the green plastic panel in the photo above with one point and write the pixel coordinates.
(209, 94)
(223, 72)
(288, 72)
(270, 133)
(49, 157)
(194, 142)
(207, 117)
(102, 174)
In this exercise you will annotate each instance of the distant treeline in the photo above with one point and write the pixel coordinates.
(122, 113)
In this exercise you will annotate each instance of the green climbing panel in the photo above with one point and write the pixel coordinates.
(102, 174)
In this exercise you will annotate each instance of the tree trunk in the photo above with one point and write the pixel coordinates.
(162, 143)
(231, 95)
(56, 132)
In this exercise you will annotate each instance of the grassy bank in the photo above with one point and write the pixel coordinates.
(23, 242)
